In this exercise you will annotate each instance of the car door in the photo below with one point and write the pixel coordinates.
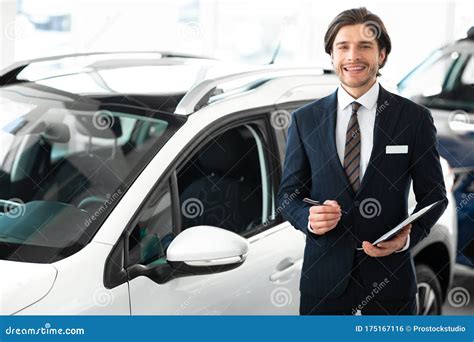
(229, 181)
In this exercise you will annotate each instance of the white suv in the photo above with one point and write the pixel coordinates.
(145, 183)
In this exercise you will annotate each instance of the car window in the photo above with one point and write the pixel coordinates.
(153, 232)
(227, 183)
(467, 77)
(443, 81)
(464, 88)
(65, 165)
(429, 77)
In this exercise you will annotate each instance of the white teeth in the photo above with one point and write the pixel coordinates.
(354, 68)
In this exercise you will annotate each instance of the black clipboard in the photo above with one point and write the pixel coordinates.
(410, 219)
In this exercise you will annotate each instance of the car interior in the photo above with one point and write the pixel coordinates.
(225, 177)
(46, 167)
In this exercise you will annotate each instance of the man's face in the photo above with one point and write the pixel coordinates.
(356, 56)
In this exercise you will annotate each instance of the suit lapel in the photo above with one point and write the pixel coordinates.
(385, 123)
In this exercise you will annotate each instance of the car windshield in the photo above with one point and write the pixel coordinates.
(428, 77)
(65, 163)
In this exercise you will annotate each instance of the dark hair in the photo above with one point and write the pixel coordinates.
(374, 28)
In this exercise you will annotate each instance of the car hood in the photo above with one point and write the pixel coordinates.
(23, 284)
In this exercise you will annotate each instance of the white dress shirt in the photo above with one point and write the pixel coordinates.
(366, 118)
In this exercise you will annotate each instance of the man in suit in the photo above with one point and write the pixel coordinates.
(357, 151)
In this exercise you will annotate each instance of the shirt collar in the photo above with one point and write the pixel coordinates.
(368, 100)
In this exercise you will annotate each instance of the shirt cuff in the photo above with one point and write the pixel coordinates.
(407, 244)
(310, 229)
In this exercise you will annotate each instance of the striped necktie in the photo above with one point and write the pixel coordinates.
(352, 149)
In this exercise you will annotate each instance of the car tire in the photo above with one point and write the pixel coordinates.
(429, 298)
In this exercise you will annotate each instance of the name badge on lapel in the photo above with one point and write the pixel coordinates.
(396, 149)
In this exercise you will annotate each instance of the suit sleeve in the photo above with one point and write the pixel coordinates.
(427, 176)
(296, 180)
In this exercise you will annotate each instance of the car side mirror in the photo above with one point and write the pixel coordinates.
(207, 246)
(195, 251)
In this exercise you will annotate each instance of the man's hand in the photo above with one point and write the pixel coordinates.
(388, 247)
(325, 217)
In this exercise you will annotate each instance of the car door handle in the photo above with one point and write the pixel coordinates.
(285, 268)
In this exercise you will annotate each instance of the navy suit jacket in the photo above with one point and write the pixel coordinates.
(312, 169)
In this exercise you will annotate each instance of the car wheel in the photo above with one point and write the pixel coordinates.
(429, 297)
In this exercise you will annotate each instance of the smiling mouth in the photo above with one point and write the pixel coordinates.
(354, 68)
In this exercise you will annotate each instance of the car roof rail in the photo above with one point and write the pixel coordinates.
(199, 95)
(9, 74)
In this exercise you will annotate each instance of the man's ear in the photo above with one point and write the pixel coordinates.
(382, 56)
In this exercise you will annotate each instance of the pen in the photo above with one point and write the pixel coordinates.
(317, 203)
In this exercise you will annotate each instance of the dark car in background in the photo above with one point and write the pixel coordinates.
(444, 83)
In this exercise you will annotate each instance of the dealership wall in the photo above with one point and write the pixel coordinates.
(241, 30)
